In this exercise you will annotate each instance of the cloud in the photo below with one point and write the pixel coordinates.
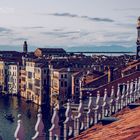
(128, 9)
(72, 34)
(64, 15)
(33, 27)
(7, 10)
(96, 19)
(20, 39)
(3, 29)
(60, 33)
(127, 25)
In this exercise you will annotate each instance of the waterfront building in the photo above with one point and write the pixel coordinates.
(82, 78)
(45, 52)
(10, 54)
(138, 39)
(36, 80)
(60, 84)
(2, 75)
(13, 78)
(22, 81)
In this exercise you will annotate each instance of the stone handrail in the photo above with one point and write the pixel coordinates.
(103, 107)
(86, 115)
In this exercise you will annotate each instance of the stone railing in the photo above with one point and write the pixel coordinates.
(86, 114)
(96, 109)
(39, 129)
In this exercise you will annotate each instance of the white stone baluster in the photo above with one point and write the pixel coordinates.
(97, 109)
(19, 133)
(79, 120)
(118, 100)
(136, 90)
(139, 88)
(105, 105)
(123, 96)
(55, 129)
(90, 112)
(39, 128)
(131, 91)
(68, 123)
(112, 102)
(127, 93)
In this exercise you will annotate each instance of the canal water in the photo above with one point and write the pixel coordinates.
(13, 105)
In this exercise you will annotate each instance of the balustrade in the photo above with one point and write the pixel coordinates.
(86, 114)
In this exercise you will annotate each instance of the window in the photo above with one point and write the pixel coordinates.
(62, 84)
(45, 71)
(65, 75)
(77, 81)
(37, 82)
(77, 89)
(61, 75)
(23, 79)
(29, 75)
(65, 83)
(45, 82)
(30, 86)
(37, 91)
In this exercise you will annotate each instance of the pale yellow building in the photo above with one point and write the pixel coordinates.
(36, 81)
(2, 75)
(60, 85)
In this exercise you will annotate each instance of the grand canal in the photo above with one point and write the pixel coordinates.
(15, 106)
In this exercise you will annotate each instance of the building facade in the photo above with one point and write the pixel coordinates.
(36, 81)
(13, 78)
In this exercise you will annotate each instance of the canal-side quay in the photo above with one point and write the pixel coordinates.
(15, 105)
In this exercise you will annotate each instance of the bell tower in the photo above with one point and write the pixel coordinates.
(25, 47)
(138, 39)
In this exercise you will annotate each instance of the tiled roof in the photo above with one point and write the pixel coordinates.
(126, 128)
(52, 50)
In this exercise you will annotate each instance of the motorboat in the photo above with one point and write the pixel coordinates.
(9, 117)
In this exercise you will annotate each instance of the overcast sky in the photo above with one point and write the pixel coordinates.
(69, 22)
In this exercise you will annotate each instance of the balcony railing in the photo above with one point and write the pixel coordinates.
(80, 117)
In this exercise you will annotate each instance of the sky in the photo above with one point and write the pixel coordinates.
(68, 23)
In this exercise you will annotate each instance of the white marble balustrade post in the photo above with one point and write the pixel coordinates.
(39, 128)
(112, 102)
(105, 105)
(54, 132)
(131, 91)
(97, 109)
(90, 112)
(123, 104)
(79, 119)
(118, 100)
(127, 93)
(139, 88)
(136, 90)
(19, 133)
(68, 123)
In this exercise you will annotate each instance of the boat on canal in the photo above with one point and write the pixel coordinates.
(9, 117)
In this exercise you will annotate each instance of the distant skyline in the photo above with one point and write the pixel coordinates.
(68, 23)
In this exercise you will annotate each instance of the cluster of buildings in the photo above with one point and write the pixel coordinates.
(51, 74)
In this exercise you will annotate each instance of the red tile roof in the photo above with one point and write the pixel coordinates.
(126, 128)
